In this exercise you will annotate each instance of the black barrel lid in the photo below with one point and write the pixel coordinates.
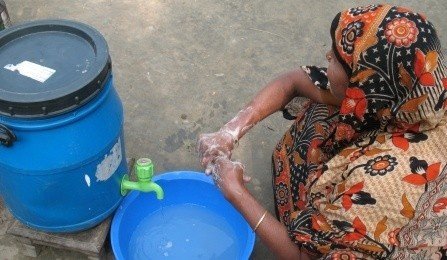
(50, 67)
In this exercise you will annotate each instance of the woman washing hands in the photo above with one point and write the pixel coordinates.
(362, 172)
(216, 149)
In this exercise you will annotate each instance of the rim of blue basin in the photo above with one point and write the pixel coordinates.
(176, 175)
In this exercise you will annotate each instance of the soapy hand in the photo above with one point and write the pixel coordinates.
(214, 145)
(229, 177)
(222, 142)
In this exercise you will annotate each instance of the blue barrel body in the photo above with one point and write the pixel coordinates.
(63, 173)
(62, 152)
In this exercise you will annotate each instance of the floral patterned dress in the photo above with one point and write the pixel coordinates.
(369, 179)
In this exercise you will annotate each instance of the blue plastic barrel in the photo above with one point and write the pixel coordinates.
(61, 126)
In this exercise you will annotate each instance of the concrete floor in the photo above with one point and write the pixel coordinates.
(186, 67)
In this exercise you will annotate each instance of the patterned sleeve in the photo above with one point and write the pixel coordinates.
(318, 75)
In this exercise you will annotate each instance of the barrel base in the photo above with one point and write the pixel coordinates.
(71, 228)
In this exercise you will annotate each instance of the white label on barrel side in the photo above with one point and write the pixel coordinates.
(32, 70)
(110, 164)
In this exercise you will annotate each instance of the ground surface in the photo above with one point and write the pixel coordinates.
(186, 67)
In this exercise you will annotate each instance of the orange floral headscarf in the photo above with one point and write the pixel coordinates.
(397, 79)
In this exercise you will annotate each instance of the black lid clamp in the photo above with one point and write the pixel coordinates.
(7, 137)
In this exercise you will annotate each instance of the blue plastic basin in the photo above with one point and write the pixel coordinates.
(193, 221)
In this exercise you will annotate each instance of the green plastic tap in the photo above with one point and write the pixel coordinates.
(144, 169)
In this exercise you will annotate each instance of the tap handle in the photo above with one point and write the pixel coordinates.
(144, 169)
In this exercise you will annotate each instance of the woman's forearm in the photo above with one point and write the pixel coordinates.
(272, 98)
(271, 231)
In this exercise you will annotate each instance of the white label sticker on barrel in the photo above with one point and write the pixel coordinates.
(32, 70)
